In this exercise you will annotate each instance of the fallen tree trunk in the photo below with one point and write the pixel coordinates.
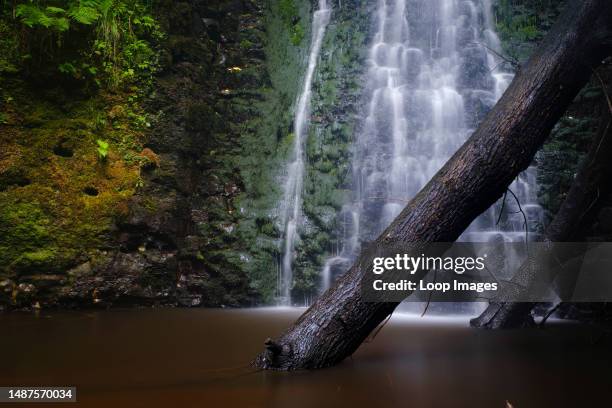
(470, 182)
(577, 211)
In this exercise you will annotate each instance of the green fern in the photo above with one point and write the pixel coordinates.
(55, 10)
(32, 16)
(84, 15)
(120, 55)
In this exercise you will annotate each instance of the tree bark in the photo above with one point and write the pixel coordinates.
(470, 182)
(577, 211)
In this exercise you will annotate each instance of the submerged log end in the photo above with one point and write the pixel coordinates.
(274, 357)
(273, 347)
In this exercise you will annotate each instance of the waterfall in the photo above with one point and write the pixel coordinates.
(434, 70)
(291, 206)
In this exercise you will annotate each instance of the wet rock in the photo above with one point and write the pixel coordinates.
(83, 269)
(180, 17)
(185, 49)
(24, 294)
(6, 291)
(152, 159)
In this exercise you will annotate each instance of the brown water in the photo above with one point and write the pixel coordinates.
(196, 358)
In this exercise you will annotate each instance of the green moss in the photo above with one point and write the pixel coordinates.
(328, 148)
(39, 258)
(58, 202)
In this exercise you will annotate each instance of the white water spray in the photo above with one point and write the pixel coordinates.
(434, 71)
(292, 192)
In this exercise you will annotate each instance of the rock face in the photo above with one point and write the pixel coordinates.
(164, 250)
(204, 230)
(198, 229)
(188, 238)
(184, 212)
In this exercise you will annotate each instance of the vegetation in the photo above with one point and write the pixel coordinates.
(73, 78)
(102, 149)
(118, 34)
(290, 15)
(522, 23)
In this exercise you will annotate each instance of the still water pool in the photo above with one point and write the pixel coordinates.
(199, 358)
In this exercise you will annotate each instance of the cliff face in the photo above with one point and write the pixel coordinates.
(70, 151)
(174, 210)
(223, 131)
(180, 206)
(201, 231)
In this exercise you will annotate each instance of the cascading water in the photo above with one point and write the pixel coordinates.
(291, 206)
(434, 71)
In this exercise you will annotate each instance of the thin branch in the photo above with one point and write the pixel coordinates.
(380, 327)
(515, 64)
(605, 133)
(604, 89)
(495, 67)
(524, 215)
(501, 212)
(430, 294)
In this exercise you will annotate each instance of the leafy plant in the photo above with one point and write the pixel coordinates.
(103, 147)
(297, 34)
(122, 30)
(291, 16)
(53, 18)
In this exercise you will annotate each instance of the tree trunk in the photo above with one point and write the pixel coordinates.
(577, 211)
(470, 182)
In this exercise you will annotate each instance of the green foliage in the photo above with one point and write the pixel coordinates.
(52, 18)
(290, 15)
(288, 9)
(9, 54)
(297, 34)
(559, 158)
(102, 149)
(246, 44)
(522, 23)
(120, 37)
(86, 12)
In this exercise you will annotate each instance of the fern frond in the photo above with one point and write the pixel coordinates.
(84, 15)
(62, 23)
(55, 10)
(105, 6)
(29, 14)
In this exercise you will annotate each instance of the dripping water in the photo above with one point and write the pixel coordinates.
(291, 206)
